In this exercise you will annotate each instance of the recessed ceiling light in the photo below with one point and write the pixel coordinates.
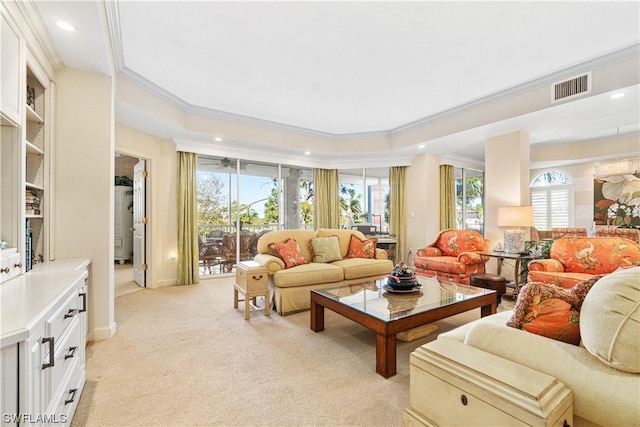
(617, 95)
(218, 139)
(421, 146)
(307, 153)
(65, 26)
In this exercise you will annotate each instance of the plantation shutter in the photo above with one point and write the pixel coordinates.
(550, 207)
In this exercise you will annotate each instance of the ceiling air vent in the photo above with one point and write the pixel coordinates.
(575, 86)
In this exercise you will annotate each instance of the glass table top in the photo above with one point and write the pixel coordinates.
(375, 298)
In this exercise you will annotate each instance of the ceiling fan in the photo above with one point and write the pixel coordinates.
(225, 164)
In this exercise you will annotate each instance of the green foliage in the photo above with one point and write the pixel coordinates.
(474, 189)
(124, 180)
(350, 202)
(212, 203)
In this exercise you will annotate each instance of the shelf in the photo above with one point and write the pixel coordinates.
(32, 186)
(7, 121)
(32, 116)
(32, 149)
(33, 216)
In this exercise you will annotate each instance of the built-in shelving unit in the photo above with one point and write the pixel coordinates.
(24, 174)
(35, 145)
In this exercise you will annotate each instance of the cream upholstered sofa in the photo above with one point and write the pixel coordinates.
(603, 372)
(291, 287)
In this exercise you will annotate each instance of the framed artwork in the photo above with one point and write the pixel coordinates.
(616, 200)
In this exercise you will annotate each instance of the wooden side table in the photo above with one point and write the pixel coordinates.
(251, 282)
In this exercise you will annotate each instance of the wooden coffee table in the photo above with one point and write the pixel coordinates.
(389, 313)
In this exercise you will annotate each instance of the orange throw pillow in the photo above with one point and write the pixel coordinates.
(549, 311)
(289, 252)
(362, 248)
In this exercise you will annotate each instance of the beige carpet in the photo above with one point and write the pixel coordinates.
(123, 279)
(184, 356)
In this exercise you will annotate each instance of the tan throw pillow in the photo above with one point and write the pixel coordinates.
(326, 249)
(610, 320)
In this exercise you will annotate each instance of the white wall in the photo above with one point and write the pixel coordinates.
(422, 198)
(83, 186)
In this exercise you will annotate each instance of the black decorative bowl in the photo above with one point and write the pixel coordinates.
(403, 284)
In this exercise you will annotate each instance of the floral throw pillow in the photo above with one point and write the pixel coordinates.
(288, 252)
(362, 248)
(549, 311)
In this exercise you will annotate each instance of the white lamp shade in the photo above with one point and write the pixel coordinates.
(515, 216)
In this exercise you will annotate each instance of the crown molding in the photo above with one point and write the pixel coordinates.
(625, 53)
(181, 104)
(355, 160)
(135, 78)
(45, 45)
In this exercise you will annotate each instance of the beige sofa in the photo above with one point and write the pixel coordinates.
(602, 372)
(291, 287)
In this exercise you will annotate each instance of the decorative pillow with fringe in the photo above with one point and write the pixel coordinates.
(288, 252)
(362, 248)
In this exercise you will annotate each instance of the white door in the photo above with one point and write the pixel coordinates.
(139, 224)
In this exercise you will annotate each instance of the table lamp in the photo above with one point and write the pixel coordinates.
(514, 216)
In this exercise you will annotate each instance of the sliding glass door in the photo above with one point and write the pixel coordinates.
(238, 201)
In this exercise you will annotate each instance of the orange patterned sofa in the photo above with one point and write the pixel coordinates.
(454, 255)
(573, 259)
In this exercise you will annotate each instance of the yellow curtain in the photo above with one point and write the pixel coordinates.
(397, 177)
(188, 256)
(326, 201)
(447, 197)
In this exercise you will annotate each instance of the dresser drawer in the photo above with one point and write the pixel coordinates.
(61, 319)
(66, 401)
(69, 351)
(9, 264)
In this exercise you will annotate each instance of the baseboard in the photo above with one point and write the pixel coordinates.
(102, 333)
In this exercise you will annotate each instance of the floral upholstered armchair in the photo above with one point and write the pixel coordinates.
(573, 259)
(453, 256)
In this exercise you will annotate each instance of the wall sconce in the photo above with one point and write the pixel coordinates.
(514, 216)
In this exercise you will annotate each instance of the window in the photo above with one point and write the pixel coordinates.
(469, 199)
(262, 197)
(551, 194)
(364, 197)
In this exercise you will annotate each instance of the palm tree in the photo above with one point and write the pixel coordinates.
(351, 202)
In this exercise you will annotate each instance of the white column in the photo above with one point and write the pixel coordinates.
(506, 179)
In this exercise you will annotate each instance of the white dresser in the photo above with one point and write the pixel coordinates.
(123, 223)
(43, 330)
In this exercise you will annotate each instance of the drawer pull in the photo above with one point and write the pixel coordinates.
(72, 396)
(84, 302)
(72, 312)
(70, 353)
(18, 265)
(463, 399)
(4, 270)
(51, 352)
(257, 277)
